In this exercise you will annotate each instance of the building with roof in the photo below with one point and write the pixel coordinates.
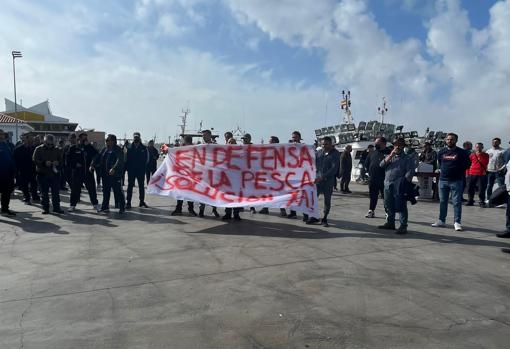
(8, 125)
(41, 119)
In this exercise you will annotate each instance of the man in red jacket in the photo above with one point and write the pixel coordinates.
(477, 175)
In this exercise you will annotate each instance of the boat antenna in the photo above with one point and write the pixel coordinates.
(184, 120)
(345, 105)
(382, 110)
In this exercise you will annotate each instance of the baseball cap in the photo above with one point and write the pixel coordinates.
(246, 136)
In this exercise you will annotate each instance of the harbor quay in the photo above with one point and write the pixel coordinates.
(146, 279)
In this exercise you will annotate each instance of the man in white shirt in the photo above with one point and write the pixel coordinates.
(496, 165)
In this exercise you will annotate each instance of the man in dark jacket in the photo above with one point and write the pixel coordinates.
(48, 158)
(399, 167)
(453, 163)
(79, 159)
(345, 170)
(25, 167)
(7, 174)
(376, 173)
(187, 140)
(110, 162)
(152, 166)
(137, 159)
(327, 162)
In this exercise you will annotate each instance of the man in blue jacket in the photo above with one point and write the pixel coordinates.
(137, 159)
(327, 162)
(7, 174)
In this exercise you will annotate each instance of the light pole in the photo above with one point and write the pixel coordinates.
(15, 54)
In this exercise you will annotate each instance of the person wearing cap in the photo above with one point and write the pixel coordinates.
(496, 166)
(48, 158)
(25, 167)
(7, 175)
(137, 159)
(207, 139)
(110, 164)
(79, 160)
(399, 171)
(295, 138)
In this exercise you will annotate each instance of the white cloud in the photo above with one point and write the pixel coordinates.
(463, 84)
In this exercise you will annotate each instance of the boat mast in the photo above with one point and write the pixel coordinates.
(184, 120)
(382, 110)
(345, 105)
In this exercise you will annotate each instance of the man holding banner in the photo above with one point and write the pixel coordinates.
(271, 175)
(328, 162)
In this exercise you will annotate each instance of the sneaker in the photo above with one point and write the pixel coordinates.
(438, 224)
(72, 209)
(457, 226)
(312, 220)
(8, 213)
(401, 230)
(387, 226)
(370, 214)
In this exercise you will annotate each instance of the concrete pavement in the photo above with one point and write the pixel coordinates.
(148, 280)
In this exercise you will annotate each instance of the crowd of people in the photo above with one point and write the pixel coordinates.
(38, 169)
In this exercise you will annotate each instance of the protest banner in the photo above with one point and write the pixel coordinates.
(272, 175)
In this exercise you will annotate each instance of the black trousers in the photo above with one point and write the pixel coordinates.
(472, 183)
(47, 183)
(109, 183)
(27, 183)
(229, 210)
(140, 178)
(178, 207)
(6, 188)
(78, 178)
(345, 180)
(148, 174)
(375, 187)
(327, 191)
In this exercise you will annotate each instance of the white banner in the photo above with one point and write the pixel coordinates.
(272, 175)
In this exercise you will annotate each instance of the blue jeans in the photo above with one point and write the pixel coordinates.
(456, 188)
(389, 203)
(492, 178)
(508, 215)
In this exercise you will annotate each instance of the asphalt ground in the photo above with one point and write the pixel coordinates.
(149, 280)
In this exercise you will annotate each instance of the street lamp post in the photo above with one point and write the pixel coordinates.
(15, 54)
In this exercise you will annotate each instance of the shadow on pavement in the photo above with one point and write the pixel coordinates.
(37, 225)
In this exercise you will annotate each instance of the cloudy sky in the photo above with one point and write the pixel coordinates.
(268, 66)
